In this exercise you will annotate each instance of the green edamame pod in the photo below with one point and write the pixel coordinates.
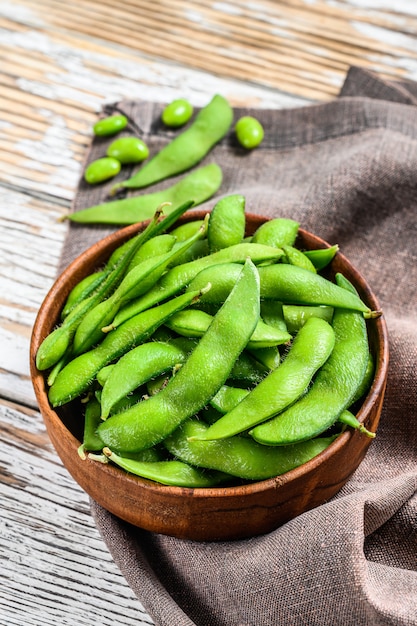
(91, 441)
(296, 315)
(135, 283)
(186, 230)
(161, 244)
(282, 387)
(277, 232)
(82, 290)
(284, 283)
(270, 357)
(135, 368)
(227, 398)
(199, 186)
(56, 344)
(178, 277)
(272, 312)
(174, 473)
(240, 456)
(76, 377)
(348, 419)
(298, 258)
(201, 376)
(227, 223)
(333, 388)
(322, 256)
(194, 323)
(188, 148)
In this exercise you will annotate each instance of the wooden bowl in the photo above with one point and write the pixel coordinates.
(209, 514)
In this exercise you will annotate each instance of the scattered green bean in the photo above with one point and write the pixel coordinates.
(187, 149)
(128, 150)
(110, 125)
(249, 132)
(177, 113)
(101, 169)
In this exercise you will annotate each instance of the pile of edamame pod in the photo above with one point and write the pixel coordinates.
(199, 356)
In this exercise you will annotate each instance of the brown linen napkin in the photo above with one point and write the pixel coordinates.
(347, 171)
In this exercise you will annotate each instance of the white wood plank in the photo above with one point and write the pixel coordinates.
(55, 567)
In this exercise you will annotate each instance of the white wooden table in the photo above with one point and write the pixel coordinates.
(59, 63)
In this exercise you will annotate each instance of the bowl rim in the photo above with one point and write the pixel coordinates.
(97, 253)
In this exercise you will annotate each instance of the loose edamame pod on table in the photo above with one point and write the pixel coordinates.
(201, 376)
(199, 186)
(187, 149)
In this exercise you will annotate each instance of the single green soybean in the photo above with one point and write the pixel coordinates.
(76, 377)
(101, 169)
(227, 222)
(198, 186)
(177, 113)
(128, 150)
(137, 367)
(277, 232)
(282, 387)
(174, 473)
(249, 132)
(201, 376)
(188, 148)
(110, 125)
(332, 390)
(240, 456)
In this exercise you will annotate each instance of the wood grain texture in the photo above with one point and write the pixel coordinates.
(59, 64)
